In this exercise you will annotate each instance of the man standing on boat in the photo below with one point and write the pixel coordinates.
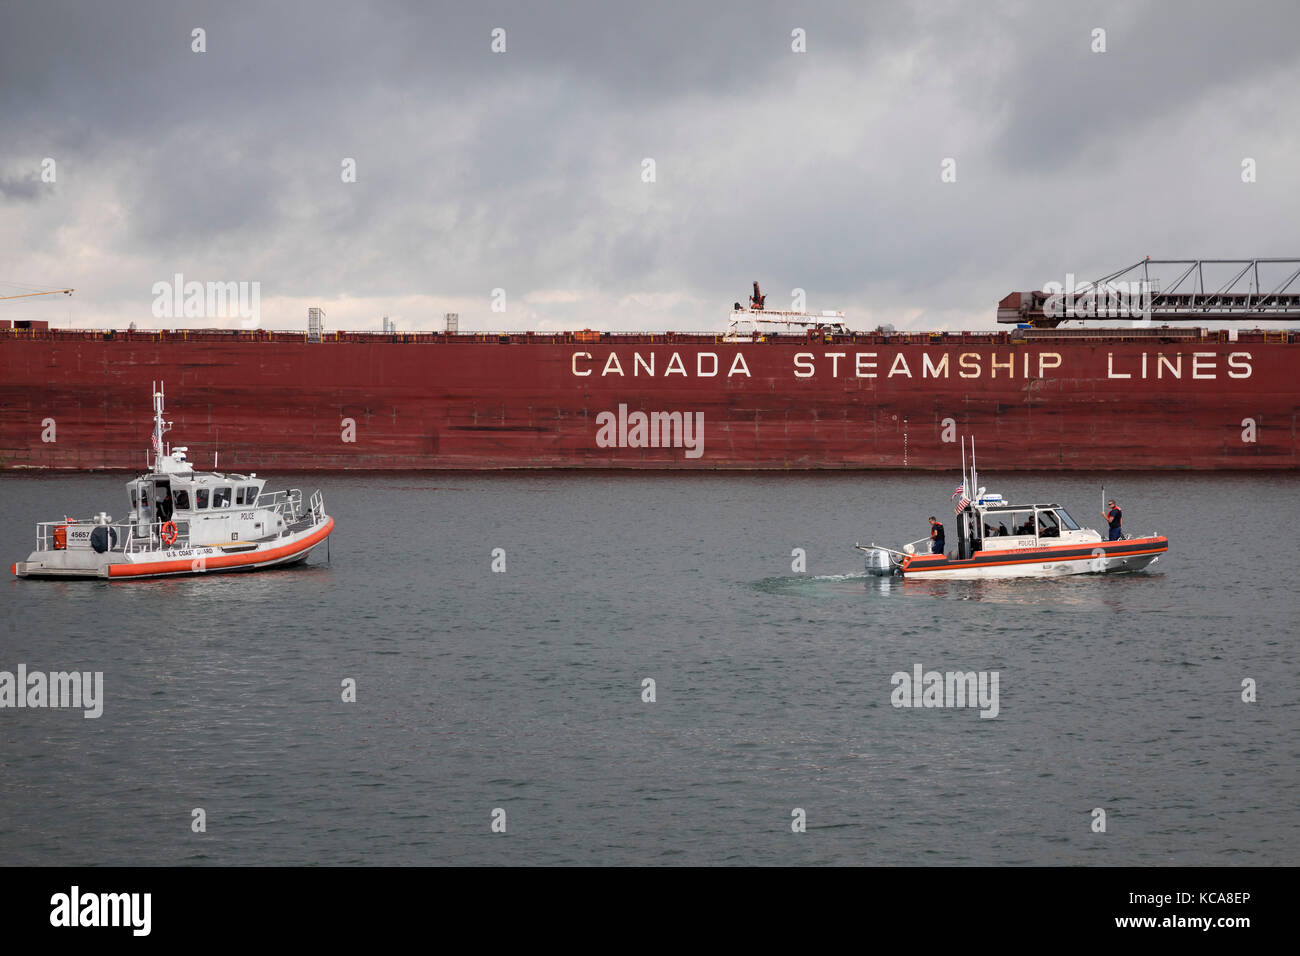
(936, 536)
(165, 506)
(1113, 517)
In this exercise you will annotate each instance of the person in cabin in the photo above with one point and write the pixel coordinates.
(936, 536)
(165, 507)
(1114, 517)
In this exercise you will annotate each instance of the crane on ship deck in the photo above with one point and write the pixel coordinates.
(748, 322)
(1135, 292)
(24, 323)
(25, 295)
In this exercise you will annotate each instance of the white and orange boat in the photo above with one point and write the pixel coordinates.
(996, 539)
(182, 521)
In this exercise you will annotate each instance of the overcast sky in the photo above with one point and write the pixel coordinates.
(523, 170)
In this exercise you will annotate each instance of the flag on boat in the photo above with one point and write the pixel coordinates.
(157, 446)
(962, 505)
(961, 490)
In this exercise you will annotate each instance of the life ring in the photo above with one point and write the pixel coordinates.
(168, 533)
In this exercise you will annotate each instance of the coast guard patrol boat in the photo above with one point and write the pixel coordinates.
(996, 539)
(182, 521)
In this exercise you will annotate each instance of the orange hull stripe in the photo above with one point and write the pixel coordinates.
(1064, 557)
(224, 560)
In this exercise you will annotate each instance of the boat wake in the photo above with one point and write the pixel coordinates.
(813, 585)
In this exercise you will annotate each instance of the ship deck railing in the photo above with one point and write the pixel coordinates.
(597, 337)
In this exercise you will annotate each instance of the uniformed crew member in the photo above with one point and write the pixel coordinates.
(1113, 517)
(936, 536)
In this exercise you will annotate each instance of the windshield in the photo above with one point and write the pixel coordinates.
(1067, 520)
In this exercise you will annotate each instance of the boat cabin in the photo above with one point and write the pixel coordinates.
(992, 524)
(206, 507)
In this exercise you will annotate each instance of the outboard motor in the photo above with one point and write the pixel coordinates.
(879, 563)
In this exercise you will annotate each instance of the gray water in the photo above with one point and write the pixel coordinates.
(522, 690)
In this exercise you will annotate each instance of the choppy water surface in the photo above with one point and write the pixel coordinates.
(522, 690)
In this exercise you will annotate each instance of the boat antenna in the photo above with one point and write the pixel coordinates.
(963, 462)
(159, 426)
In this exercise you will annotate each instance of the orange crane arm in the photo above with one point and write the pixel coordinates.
(26, 294)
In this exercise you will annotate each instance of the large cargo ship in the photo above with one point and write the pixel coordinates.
(820, 397)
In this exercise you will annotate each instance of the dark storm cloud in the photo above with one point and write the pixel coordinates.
(522, 170)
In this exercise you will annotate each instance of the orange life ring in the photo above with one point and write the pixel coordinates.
(168, 533)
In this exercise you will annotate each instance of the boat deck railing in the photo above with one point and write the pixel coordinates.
(287, 504)
(921, 546)
(148, 537)
(124, 537)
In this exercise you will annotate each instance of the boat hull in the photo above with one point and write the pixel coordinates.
(213, 559)
(869, 401)
(1111, 557)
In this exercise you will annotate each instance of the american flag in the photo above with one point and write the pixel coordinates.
(157, 445)
(961, 490)
(961, 505)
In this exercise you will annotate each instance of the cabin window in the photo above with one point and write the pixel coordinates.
(1048, 526)
(182, 500)
(201, 498)
(1020, 522)
(135, 500)
(997, 524)
(144, 496)
(250, 495)
(239, 495)
(221, 498)
(1069, 522)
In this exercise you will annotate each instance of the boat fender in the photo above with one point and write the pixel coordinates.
(168, 533)
(102, 538)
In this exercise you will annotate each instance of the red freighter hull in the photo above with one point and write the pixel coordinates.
(359, 401)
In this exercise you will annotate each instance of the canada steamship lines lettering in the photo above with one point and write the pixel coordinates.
(939, 365)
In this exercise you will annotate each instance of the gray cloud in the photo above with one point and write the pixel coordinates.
(20, 186)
